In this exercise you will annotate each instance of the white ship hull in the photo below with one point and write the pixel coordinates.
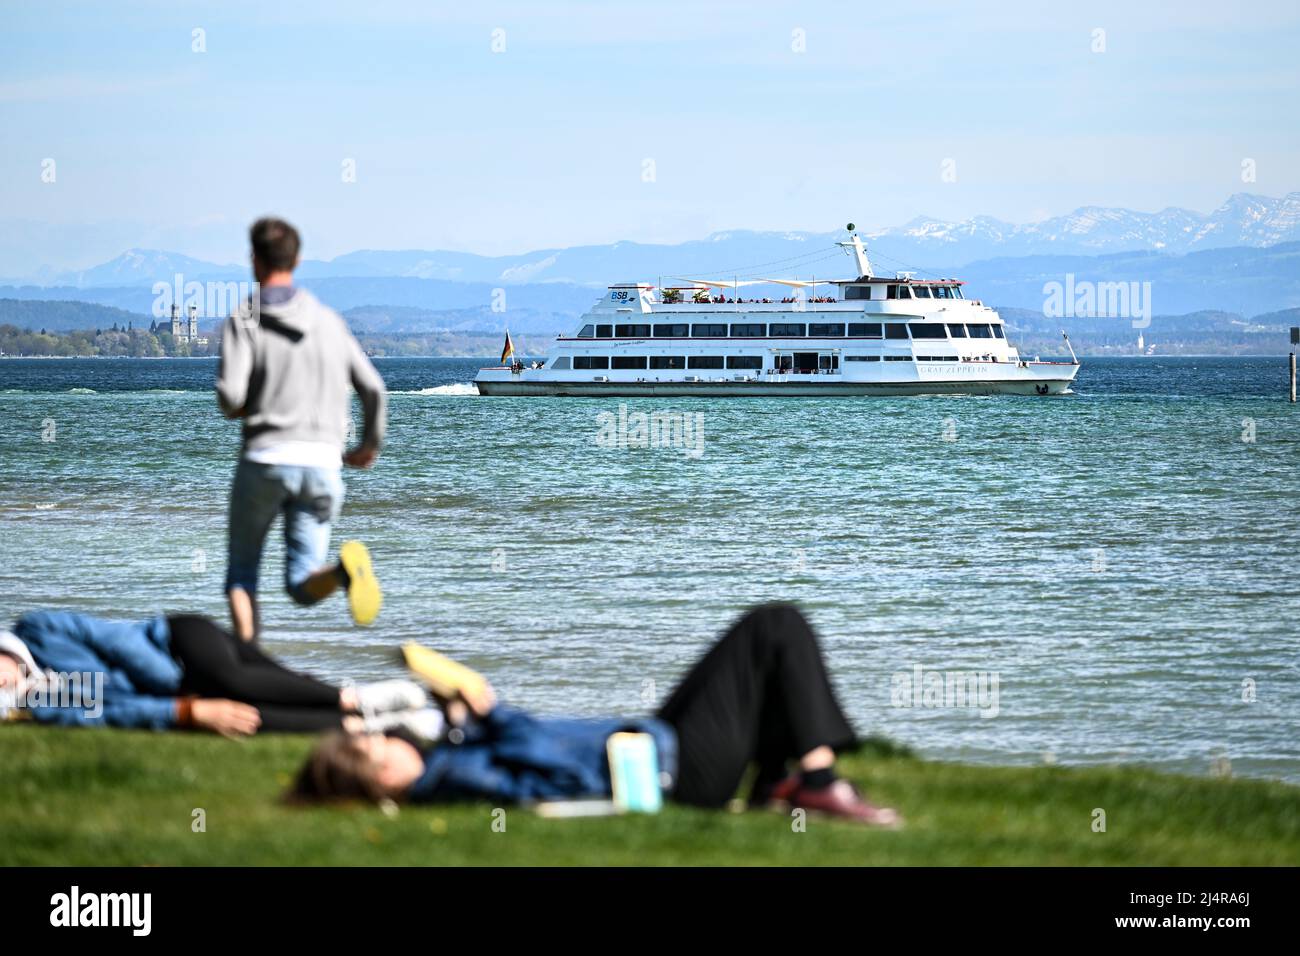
(1037, 379)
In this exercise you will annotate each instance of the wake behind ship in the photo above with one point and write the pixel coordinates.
(867, 336)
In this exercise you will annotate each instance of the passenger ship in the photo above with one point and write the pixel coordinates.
(869, 336)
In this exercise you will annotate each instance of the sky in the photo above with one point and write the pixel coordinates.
(504, 127)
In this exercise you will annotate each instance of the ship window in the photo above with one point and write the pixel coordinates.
(627, 361)
(588, 332)
(830, 330)
(922, 292)
(828, 361)
(748, 331)
(862, 358)
(926, 330)
(710, 330)
(632, 331)
(857, 292)
(941, 292)
(591, 361)
(895, 330)
(864, 330)
(744, 361)
(957, 330)
(783, 363)
(785, 329)
(898, 358)
(667, 361)
(979, 330)
(904, 292)
(956, 292)
(997, 330)
(705, 361)
(672, 331)
(561, 363)
(604, 331)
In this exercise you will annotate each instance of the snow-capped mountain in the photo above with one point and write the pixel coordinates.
(1244, 220)
(143, 267)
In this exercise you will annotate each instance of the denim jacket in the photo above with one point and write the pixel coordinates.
(515, 757)
(141, 678)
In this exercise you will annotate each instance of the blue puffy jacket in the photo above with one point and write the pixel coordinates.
(141, 678)
(514, 757)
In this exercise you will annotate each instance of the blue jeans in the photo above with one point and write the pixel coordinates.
(309, 499)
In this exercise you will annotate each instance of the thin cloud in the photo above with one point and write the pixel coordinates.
(76, 86)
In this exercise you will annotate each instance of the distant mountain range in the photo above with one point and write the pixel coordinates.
(1244, 220)
(1239, 261)
(923, 244)
(1241, 280)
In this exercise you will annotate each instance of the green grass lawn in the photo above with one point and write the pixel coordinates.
(97, 797)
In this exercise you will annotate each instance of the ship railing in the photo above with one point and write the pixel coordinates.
(812, 300)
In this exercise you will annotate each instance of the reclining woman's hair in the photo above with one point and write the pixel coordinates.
(338, 768)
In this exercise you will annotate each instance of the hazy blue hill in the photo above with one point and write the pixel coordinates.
(147, 266)
(1284, 318)
(401, 320)
(1241, 280)
(348, 293)
(67, 316)
(1208, 332)
(412, 263)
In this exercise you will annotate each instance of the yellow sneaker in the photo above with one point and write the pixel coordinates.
(450, 679)
(364, 597)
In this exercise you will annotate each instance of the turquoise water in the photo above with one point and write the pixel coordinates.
(1120, 558)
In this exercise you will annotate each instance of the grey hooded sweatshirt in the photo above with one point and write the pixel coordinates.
(288, 371)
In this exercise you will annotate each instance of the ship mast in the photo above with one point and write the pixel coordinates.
(859, 251)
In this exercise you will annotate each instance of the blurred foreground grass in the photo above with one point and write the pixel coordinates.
(94, 797)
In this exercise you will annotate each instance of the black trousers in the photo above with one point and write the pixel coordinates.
(218, 664)
(760, 695)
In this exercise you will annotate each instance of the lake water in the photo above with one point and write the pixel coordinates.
(1123, 559)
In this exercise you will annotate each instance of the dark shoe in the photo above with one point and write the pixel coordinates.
(840, 799)
(764, 792)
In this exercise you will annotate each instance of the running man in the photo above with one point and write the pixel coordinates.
(287, 365)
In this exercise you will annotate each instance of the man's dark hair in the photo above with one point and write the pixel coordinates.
(275, 244)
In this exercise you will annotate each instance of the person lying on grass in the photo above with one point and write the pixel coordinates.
(760, 696)
(182, 671)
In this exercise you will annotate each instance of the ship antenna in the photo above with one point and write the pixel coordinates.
(1074, 358)
(859, 251)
